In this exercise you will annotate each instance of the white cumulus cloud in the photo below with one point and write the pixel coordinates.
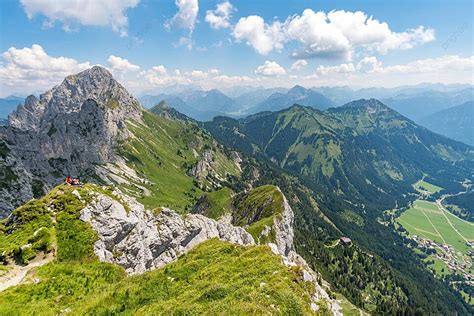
(439, 65)
(337, 69)
(84, 12)
(369, 71)
(338, 33)
(299, 64)
(270, 69)
(261, 36)
(160, 70)
(186, 17)
(120, 65)
(334, 35)
(27, 69)
(219, 18)
(368, 64)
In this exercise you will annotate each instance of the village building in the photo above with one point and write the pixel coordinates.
(345, 240)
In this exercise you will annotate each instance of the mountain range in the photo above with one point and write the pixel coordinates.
(204, 105)
(364, 151)
(178, 216)
(417, 106)
(415, 102)
(456, 122)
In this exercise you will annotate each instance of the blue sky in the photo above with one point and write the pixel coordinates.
(150, 44)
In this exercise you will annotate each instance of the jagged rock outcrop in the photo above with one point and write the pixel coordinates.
(95, 83)
(70, 130)
(140, 240)
(204, 166)
(28, 116)
(283, 227)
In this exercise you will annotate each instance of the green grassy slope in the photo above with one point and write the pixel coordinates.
(162, 151)
(47, 223)
(214, 277)
(215, 204)
(425, 186)
(255, 209)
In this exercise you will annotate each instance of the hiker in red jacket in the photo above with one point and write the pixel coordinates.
(68, 180)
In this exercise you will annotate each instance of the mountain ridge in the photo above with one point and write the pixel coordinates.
(455, 122)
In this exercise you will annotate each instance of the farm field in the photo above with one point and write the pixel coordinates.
(444, 240)
(427, 187)
(425, 219)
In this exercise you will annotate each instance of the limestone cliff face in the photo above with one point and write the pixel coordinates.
(283, 226)
(140, 240)
(27, 116)
(95, 84)
(69, 130)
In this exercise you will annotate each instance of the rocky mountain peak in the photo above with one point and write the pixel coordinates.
(372, 107)
(71, 128)
(96, 84)
(297, 90)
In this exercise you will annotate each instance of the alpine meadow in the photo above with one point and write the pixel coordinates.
(230, 157)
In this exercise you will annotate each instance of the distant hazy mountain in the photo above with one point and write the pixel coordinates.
(8, 105)
(344, 94)
(197, 104)
(149, 101)
(208, 101)
(172, 89)
(419, 105)
(414, 102)
(456, 122)
(296, 95)
(245, 102)
(236, 91)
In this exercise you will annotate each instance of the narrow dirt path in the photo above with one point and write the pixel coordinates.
(18, 273)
